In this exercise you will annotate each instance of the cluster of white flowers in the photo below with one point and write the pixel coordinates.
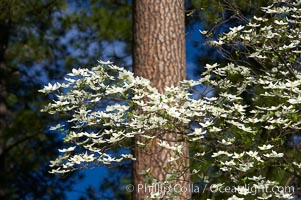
(259, 99)
(247, 129)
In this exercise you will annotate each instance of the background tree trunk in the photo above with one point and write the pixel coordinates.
(4, 111)
(159, 55)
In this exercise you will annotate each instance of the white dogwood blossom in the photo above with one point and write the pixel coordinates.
(247, 132)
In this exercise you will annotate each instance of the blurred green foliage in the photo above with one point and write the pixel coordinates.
(39, 42)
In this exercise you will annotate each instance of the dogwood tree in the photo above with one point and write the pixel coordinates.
(242, 119)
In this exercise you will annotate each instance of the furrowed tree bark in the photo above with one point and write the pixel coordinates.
(159, 55)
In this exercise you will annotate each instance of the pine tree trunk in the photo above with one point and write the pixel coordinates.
(159, 55)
